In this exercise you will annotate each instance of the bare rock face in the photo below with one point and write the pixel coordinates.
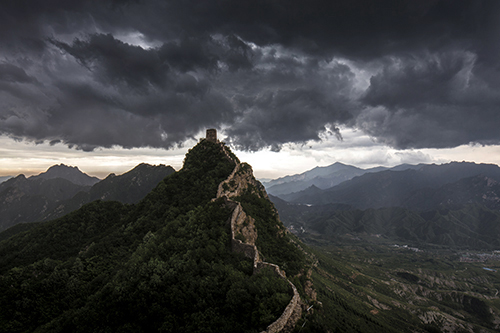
(243, 227)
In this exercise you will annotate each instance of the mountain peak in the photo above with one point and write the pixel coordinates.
(62, 165)
(15, 180)
(73, 174)
(207, 153)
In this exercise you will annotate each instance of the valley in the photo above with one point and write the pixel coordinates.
(404, 289)
(409, 249)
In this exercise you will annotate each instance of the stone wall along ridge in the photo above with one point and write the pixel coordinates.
(242, 224)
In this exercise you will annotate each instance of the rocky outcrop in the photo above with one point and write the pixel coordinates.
(239, 181)
(244, 236)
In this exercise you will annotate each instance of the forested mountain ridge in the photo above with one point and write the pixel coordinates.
(127, 188)
(164, 264)
(43, 197)
(27, 200)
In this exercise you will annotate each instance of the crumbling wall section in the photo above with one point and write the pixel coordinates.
(243, 225)
(286, 322)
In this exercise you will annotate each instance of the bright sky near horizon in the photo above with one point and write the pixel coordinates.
(288, 84)
(29, 159)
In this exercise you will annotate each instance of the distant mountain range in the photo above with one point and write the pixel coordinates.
(62, 189)
(421, 188)
(453, 204)
(27, 200)
(323, 177)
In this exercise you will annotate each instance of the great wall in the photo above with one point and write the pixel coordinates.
(244, 234)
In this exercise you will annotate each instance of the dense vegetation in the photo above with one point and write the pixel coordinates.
(162, 265)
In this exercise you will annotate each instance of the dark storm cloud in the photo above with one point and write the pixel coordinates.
(113, 61)
(433, 100)
(423, 79)
(154, 73)
(360, 28)
(11, 73)
(299, 103)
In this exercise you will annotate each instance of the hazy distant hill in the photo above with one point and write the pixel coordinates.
(323, 177)
(315, 172)
(472, 190)
(73, 174)
(29, 199)
(396, 188)
(303, 195)
(4, 178)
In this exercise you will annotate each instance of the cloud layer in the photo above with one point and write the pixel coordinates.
(151, 73)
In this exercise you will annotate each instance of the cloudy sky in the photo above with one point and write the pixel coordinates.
(289, 84)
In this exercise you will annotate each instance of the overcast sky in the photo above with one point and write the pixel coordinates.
(288, 84)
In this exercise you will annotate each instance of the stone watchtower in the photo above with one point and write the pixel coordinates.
(212, 135)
